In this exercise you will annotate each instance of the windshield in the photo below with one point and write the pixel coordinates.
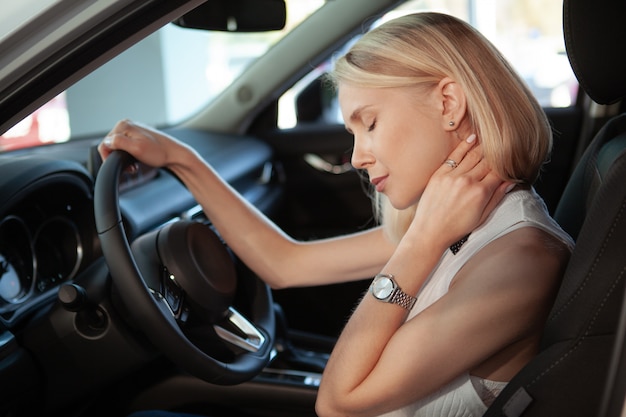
(175, 72)
(161, 81)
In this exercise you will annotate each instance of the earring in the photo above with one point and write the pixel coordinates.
(451, 123)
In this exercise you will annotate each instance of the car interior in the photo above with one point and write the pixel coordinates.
(579, 370)
(91, 323)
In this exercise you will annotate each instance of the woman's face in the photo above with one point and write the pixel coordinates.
(399, 138)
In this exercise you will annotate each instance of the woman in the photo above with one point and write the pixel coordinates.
(466, 262)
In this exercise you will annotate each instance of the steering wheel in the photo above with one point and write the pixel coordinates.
(181, 285)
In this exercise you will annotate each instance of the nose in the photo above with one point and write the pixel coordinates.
(362, 156)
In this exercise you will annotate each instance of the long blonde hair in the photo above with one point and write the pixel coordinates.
(419, 50)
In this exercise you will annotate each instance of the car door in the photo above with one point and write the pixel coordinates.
(325, 197)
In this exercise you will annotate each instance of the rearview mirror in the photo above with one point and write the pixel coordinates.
(236, 16)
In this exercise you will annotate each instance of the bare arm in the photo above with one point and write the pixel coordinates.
(277, 258)
(381, 363)
(498, 300)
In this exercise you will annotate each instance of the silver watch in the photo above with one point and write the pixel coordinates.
(384, 288)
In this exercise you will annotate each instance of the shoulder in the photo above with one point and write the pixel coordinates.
(525, 244)
(522, 243)
(517, 253)
(524, 266)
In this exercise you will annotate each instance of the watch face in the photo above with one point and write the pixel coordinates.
(382, 288)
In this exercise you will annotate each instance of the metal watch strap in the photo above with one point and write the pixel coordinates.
(402, 299)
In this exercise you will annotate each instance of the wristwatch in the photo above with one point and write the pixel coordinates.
(384, 288)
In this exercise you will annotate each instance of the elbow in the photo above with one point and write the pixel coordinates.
(275, 277)
(325, 405)
(276, 283)
(323, 408)
(328, 405)
(282, 272)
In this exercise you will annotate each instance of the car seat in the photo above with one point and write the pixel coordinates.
(576, 371)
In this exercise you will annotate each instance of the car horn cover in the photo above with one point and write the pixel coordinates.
(199, 263)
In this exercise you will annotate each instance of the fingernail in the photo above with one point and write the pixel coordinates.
(471, 138)
(107, 141)
(509, 188)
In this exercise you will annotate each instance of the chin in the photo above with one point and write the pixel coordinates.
(402, 205)
(404, 201)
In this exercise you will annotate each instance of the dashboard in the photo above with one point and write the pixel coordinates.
(47, 227)
(47, 233)
(49, 241)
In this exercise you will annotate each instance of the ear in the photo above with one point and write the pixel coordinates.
(453, 102)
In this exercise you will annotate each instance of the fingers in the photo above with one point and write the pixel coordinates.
(459, 153)
(118, 138)
(105, 147)
(148, 146)
(466, 162)
(109, 144)
(124, 127)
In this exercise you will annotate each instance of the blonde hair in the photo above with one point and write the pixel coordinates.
(419, 50)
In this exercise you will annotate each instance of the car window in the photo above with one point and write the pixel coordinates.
(528, 33)
(161, 81)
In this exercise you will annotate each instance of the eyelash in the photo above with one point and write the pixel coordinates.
(372, 126)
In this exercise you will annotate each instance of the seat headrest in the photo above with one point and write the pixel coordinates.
(595, 40)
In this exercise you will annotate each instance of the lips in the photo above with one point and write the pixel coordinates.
(379, 183)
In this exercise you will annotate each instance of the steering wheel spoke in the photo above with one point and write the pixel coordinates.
(174, 295)
(177, 308)
(239, 331)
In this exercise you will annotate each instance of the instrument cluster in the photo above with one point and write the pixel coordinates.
(33, 263)
(44, 241)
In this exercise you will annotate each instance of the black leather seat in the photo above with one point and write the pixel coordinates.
(581, 346)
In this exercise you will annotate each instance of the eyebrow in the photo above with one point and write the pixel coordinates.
(356, 114)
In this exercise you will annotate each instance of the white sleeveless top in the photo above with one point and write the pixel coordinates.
(520, 208)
